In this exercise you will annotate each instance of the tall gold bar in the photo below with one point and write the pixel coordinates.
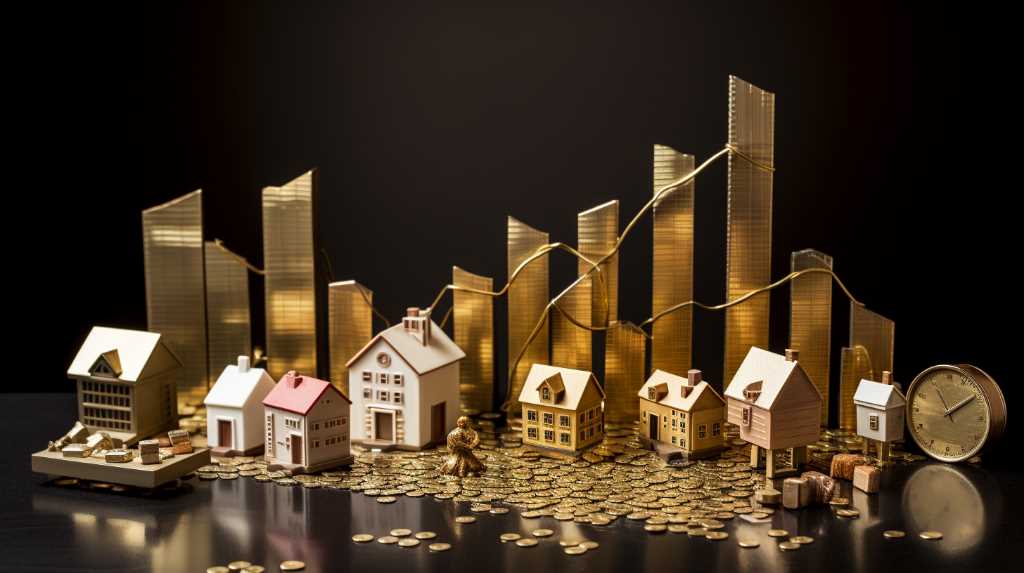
(350, 326)
(672, 268)
(527, 299)
(810, 319)
(876, 334)
(474, 334)
(623, 373)
(228, 321)
(749, 219)
(289, 259)
(172, 242)
(571, 346)
(854, 366)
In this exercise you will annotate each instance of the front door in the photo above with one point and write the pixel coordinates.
(383, 425)
(224, 433)
(297, 449)
(437, 424)
(652, 424)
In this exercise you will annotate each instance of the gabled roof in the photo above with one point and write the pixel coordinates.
(139, 354)
(299, 399)
(879, 395)
(440, 352)
(772, 370)
(674, 397)
(233, 389)
(574, 381)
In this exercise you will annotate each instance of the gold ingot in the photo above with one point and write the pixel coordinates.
(527, 299)
(624, 373)
(350, 326)
(810, 319)
(474, 334)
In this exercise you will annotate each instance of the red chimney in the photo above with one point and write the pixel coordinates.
(293, 379)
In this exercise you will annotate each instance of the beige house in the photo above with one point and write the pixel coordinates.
(681, 415)
(562, 408)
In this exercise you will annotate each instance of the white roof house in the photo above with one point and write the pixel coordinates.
(238, 385)
(132, 355)
(568, 386)
(880, 410)
(423, 357)
(234, 409)
(772, 371)
(669, 391)
(878, 395)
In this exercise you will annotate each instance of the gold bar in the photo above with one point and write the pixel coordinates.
(810, 319)
(749, 220)
(623, 373)
(527, 299)
(875, 334)
(228, 323)
(172, 242)
(673, 263)
(350, 326)
(474, 334)
(289, 252)
(854, 366)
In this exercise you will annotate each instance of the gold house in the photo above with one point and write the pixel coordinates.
(561, 408)
(681, 415)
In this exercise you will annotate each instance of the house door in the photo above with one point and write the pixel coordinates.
(296, 449)
(652, 425)
(437, 425)
(383, 424)
(224, 434)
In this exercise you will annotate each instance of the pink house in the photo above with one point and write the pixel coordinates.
(307, 425)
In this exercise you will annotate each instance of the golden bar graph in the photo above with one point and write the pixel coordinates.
(289, 253)
(749, 220)
(673, 263)
(810, 319)
(228, 323)
(623, 373)
(854, 366)
(350, 326)
(571, 346)
(172, 242)
(474, 334)
(876, 334)
(527, 299)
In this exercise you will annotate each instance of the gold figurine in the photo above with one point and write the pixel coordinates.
(461, 461)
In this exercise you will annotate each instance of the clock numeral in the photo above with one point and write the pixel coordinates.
(981, 418)
(947, 449)
(922, 395)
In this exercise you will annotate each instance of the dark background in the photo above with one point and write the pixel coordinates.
(431, 122)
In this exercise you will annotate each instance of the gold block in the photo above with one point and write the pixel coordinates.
(810, 319)
(527, 300)
(749, 220)
(623, 373)
(875, 334)
(228, 323)
(350, 326)
(474, 334)
(854, 366)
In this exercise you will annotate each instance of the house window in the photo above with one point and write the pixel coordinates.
(384, 359)
(673, 422)
(583, 435)
(873, 421)
(702, 431)
(746, 416)
(292, 423)
(367, 377)
(531, 433)
(563, 421)
(590, 414)
(316, 426)
(549, 419)
(549, 435)
(682, 425)
(531, 415)
(563, 437)
(383, 395)
(397, 379)
(651, 394)
(316, 443)
(367, 393)
(382, 378)
(545, 393)
(673, 439)
(590, 433)
(716, 429)
(583, 418)
(398, 397)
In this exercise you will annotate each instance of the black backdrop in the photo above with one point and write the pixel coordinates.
(431, 122)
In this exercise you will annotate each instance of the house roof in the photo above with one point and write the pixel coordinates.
(769, 368)
(574, 381)
(299, 399)
(140, 354)
(674, 397)
(885, 396)
(440, 352)
(233, 388)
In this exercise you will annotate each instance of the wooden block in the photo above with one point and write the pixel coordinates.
(76, 451)
(128, 473)
(867, 478)
(768, 496)
(822, 486)
(843, 464)
(796, 493)
(181, 448)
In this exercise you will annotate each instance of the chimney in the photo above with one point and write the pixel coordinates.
(886, 377)
(293, 379)
(692, 379)
(792, 355)
(243, 364)
(417, 324)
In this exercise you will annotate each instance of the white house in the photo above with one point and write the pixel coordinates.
(306, 425)
(404, 385)
(234, 409)
(880, 411)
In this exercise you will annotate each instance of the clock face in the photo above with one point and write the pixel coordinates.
(948, 413)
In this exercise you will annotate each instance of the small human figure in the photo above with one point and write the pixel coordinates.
(460, 460)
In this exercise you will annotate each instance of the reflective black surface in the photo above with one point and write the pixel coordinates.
(48, 528)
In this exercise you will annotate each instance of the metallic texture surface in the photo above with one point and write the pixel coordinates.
(749, 219)
(810, 319)
(876, 334)
(527, 299)
(623, 373)
(228, 322)
(854, 366)
(474, 334)
(289, 253)
(672, 267)
(172, 242)
(350, 326)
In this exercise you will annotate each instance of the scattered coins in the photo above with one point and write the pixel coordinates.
(655, 528)
(716, 535)
(568, 542)
(435, 547)
(506, 537)
(748, 543)
(423, 535)
(778, 533)
(254, 569)
(802, 539)
(894, 534)
(362, 538)
(465, 519)
(218, 569)
(401, 532)
(409, 542)
(387, 540)
(575, 550)
(848, 513)
(590, 544)
(292, 565)
(542, 533)
(238, 565)
(789, 546)
(526, 542)
(931, 535)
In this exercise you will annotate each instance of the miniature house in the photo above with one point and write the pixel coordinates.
(562, 408)
(306, 425)
(125, 383)
(775, 405)
(681, 415)
(404, 385)
(234, 409)
(880, 412)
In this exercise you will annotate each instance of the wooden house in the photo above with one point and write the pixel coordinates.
(880, 412)
(682, 416)
(234, 409)
(306, 425)
(562, 408)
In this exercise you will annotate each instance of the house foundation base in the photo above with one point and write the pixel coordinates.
(229, 453)
(671, 453)
(295, 469)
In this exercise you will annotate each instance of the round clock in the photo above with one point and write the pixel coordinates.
(953, 411)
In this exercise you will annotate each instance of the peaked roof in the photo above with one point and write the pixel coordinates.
(110, 360)
(299, 399)
(574, 381)
(140, 354)
(674, 398)
(870, 393)
(233, 388)
(769, 368)
(440, 352)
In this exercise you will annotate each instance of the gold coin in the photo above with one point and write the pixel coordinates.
(716, 535)
(238, 565)
(362, 537)
(292, 565)
(569, 542)
(655, 528)
(254, 569)
(590, 544)
(930, 535)
(217, 569)
(575, 550)
(748, 543)
(499, 510)
(425, 535)
(439, 547)
(894, 534)
(712, 524)
(789, 546)
(676, 528)
(542, 533)
(600, 521)
(409, 542)
(849, 513)
(526, 542)
(777, 533)
(465, 519)
(387, 539)
(697, 532)
(401, 532)
(839, 501)
(387, 499)
(506, 537)
(802, 539)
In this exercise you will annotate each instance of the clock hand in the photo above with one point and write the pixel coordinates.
(959, 405)
(939, 392)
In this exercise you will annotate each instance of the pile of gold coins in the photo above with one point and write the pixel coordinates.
(406, 538)
(246, 567)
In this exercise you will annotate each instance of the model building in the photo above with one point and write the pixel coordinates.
(880, 411)
(561, 408)
(306, 425)
(776, 407)
(234, 409)
(404, 385)
(681, 416)
(126, 384)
